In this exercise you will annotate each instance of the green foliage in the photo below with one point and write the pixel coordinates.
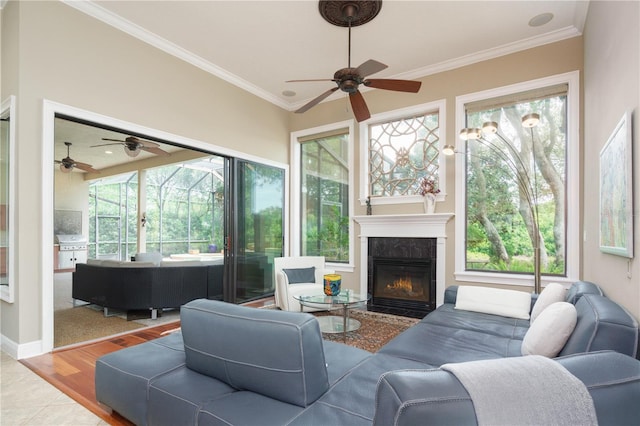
(502, 170)
(325, 219)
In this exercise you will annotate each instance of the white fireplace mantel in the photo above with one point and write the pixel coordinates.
(405, 226)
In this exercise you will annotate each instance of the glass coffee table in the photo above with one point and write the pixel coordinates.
(345, 300)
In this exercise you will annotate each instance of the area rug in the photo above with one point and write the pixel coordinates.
(82, 324)
(376, 329)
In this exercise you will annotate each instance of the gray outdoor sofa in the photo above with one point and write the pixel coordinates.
(143, 285)
(234, 365)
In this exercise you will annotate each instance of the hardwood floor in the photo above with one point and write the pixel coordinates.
(72, 369)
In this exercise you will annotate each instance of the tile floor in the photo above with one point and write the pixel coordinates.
(26, 399)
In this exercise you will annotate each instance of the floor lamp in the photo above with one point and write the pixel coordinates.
(489, 137)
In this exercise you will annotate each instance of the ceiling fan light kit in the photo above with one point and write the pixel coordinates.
(67, 164)
(133, 145)
(131, 151)
(350, 14)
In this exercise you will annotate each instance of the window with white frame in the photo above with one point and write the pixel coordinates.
(400, 149)
(518, 150)
(322, 167)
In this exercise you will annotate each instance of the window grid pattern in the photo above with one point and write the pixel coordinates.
(401, 152)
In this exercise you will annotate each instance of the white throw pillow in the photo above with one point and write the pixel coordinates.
(551, 294)
(496, 301)
(551, 330)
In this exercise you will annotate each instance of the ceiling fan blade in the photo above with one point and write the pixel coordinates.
(397, 85)
(359, 106)
(313, 79)
(143, 142)
(154, 150)
(370, 67)
(316, 101)
(113, 140)
(106, 144)
(57, 161)
(84, 166)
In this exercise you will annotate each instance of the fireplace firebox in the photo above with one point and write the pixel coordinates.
(402, 276)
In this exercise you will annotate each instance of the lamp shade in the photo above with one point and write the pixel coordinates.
(490, 127)
(470, 133)
(65, 169)
(449, 150)
(530, 120)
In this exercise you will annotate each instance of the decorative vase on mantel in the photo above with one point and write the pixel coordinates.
(429, 203)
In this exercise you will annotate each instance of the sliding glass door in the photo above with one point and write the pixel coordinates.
(258, 215)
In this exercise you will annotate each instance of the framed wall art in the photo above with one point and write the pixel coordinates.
(616, 191)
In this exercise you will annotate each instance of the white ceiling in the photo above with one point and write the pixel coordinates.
(258, 45)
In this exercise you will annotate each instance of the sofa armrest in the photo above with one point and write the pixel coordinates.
(602, 325)
(281, 294)
(412, 397)
(451, 294)
(409, 397)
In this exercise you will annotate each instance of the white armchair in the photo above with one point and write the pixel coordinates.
(285, 291)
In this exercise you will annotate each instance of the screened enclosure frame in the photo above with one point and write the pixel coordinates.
(126, 242)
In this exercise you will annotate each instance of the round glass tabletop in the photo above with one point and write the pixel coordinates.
(345, 297)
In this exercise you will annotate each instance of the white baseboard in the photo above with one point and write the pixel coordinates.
(20, 351)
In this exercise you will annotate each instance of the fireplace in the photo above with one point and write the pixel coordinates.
(402, 276)
(409, 226)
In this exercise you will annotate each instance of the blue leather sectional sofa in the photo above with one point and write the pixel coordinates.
(233, 365)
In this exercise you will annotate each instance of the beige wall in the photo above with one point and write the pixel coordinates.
(611, 87)
(72, 193)
(68, 57)
(556, 58)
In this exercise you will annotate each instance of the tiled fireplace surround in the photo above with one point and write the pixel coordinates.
(405, 226)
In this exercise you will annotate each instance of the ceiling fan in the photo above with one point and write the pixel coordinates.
(352, 13)
(133, 146)
(67, 164)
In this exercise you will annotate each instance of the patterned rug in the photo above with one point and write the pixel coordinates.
(376, 329)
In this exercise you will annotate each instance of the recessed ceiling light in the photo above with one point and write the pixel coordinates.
(108, 152)
(541, 19)
(288, 93)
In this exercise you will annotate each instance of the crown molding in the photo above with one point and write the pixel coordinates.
(98, 12)
(496, 52)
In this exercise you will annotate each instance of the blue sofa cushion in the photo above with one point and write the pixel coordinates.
(275, 353)
(450, 335)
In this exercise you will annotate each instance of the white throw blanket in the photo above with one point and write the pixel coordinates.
(528, 390)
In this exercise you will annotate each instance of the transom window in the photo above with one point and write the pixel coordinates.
(399, 149)
(401, 152)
